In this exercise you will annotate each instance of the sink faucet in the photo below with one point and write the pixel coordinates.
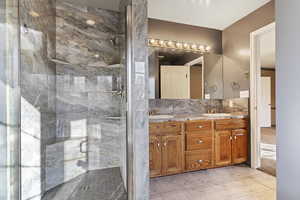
(152, 112)
(211, 110)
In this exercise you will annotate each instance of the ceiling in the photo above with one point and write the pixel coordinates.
(216, 14)
(268, 50)
(105, 4)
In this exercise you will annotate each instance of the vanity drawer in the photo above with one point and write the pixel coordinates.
(197, 160)
(231, 124)
(198, 142)
(165, 128)
(155, 127)
(171, 127)
(199, 125)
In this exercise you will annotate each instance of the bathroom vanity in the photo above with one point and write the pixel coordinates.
(185, 143)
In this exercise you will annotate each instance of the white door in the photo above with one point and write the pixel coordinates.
(265, 104)
(175, 82)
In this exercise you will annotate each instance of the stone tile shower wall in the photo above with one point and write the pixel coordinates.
(38, 103)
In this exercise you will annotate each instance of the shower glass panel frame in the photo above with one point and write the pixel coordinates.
(9, 101)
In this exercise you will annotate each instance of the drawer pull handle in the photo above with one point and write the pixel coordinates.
(202, 161)
(173, 125)
(200, 126)
(199, 142)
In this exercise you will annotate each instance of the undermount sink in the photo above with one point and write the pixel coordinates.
(217, 115)
(161, 116)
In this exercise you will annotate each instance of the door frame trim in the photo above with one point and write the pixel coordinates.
(255, 73)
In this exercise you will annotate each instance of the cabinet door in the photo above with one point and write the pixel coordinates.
(239, 146)
(172, 155)
(155, 156)
(223, 148)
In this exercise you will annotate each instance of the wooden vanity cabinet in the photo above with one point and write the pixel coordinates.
(231, 141)
(166, 148)
(177, 147)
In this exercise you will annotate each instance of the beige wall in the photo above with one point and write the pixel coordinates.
(186, 33)
(236, 48)
(271, 73)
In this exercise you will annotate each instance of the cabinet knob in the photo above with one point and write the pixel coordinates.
(165, 144)
(199, 142)
(200, 161)
(200, 126)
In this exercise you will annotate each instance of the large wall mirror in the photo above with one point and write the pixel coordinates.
(177, 74)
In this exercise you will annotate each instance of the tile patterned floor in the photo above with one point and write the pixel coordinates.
(229, 183)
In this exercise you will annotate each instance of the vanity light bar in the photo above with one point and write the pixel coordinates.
(178, 45)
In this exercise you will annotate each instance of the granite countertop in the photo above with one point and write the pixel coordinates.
(190, 117)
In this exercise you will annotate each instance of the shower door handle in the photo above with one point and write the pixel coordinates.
(81, 145)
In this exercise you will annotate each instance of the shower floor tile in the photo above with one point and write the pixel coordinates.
(103, 184)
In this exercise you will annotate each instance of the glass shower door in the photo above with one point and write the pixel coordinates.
(9, 101)
(73, 83)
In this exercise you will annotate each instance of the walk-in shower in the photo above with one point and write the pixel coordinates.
(64, 74)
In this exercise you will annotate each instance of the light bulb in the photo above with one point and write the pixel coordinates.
(152, 41)
(185, 45)
(170, 43)
(201, 48)
(90, 22)
(161, 43)
(178, 45)
(194, 46)
(208, 48)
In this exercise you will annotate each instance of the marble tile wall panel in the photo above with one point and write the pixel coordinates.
(236, 105)
(182, 106)
(104, 144)
(87, 45)
(65, 161)
(194, 106)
